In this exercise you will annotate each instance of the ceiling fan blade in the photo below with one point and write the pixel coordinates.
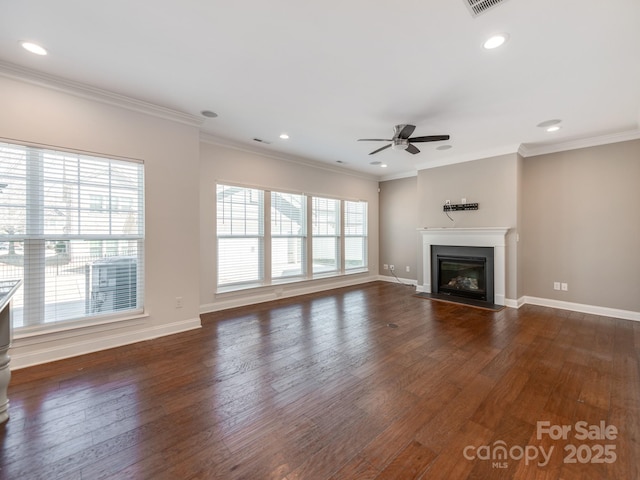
(375, 140)
(429, 138)
(380, 149)
(412, 149)
(406, 131)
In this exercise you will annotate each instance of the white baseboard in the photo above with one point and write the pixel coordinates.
(269, 293)
(406, 281)
(513, 303)
(547, 302)
(30, 351)
(574, 307)
(582, 308)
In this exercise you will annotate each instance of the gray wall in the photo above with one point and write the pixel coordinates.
(577, 214)
(491, 182)
(581, 225)
(398, 222)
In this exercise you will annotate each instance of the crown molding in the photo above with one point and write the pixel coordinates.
(469, 157)
(399, 176)
(227, 143)
(532, 150)
(81, 90)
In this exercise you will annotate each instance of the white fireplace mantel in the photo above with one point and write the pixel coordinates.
(468, 237)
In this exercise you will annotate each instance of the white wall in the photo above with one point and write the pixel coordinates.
(169, 148)
(226, 164)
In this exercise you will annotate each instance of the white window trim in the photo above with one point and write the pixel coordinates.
(35, 234)
(267, 281)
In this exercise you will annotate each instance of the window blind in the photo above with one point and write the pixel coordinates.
(72, 227)
(288, 235)
(240, 227)
(267, 237)
(326, 234)
(355, 235)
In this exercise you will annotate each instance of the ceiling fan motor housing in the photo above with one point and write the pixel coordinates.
(400, 144)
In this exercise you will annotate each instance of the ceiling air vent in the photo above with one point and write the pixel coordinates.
(476, 7)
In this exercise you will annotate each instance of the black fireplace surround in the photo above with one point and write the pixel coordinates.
(465, 272)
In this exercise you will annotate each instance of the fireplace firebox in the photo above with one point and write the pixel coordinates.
(460, 271)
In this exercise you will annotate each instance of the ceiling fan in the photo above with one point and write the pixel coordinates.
(401, 140)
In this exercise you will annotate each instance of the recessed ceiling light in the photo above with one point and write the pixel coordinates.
(33, 48)
(549, 123)
(384, 165)
(444, 147)
(208, 114)
(495, 41)
(554, 128)
(284, 136)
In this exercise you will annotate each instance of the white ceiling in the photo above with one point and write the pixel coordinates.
(330, 72)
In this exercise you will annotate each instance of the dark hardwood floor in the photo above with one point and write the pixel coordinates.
(323, 387)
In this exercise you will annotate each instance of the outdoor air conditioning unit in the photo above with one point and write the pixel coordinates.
(113, 284)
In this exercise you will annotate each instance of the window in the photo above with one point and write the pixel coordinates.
(326, 234)
(355, 235)
(240, 227)
(288, 235)
(60, 232)
(268, 237)
(96, 202)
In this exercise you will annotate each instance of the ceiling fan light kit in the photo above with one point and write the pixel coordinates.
(402, 139)
(400, 145)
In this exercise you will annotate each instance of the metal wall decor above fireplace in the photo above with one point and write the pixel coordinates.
(463, 271)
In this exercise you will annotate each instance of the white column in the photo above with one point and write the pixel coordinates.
(7, 290)
(5, 371)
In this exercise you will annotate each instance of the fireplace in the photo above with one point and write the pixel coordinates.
(491, 238)
(466, 272)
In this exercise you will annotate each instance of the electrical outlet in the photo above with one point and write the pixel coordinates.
(385, 267)
(447, 202)
(464, 200)
(178, 302)
(408, 268)
(392, 267)
(564, 287)
(556, 285)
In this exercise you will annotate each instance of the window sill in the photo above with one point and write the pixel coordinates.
(78, 326)
(281, 282)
